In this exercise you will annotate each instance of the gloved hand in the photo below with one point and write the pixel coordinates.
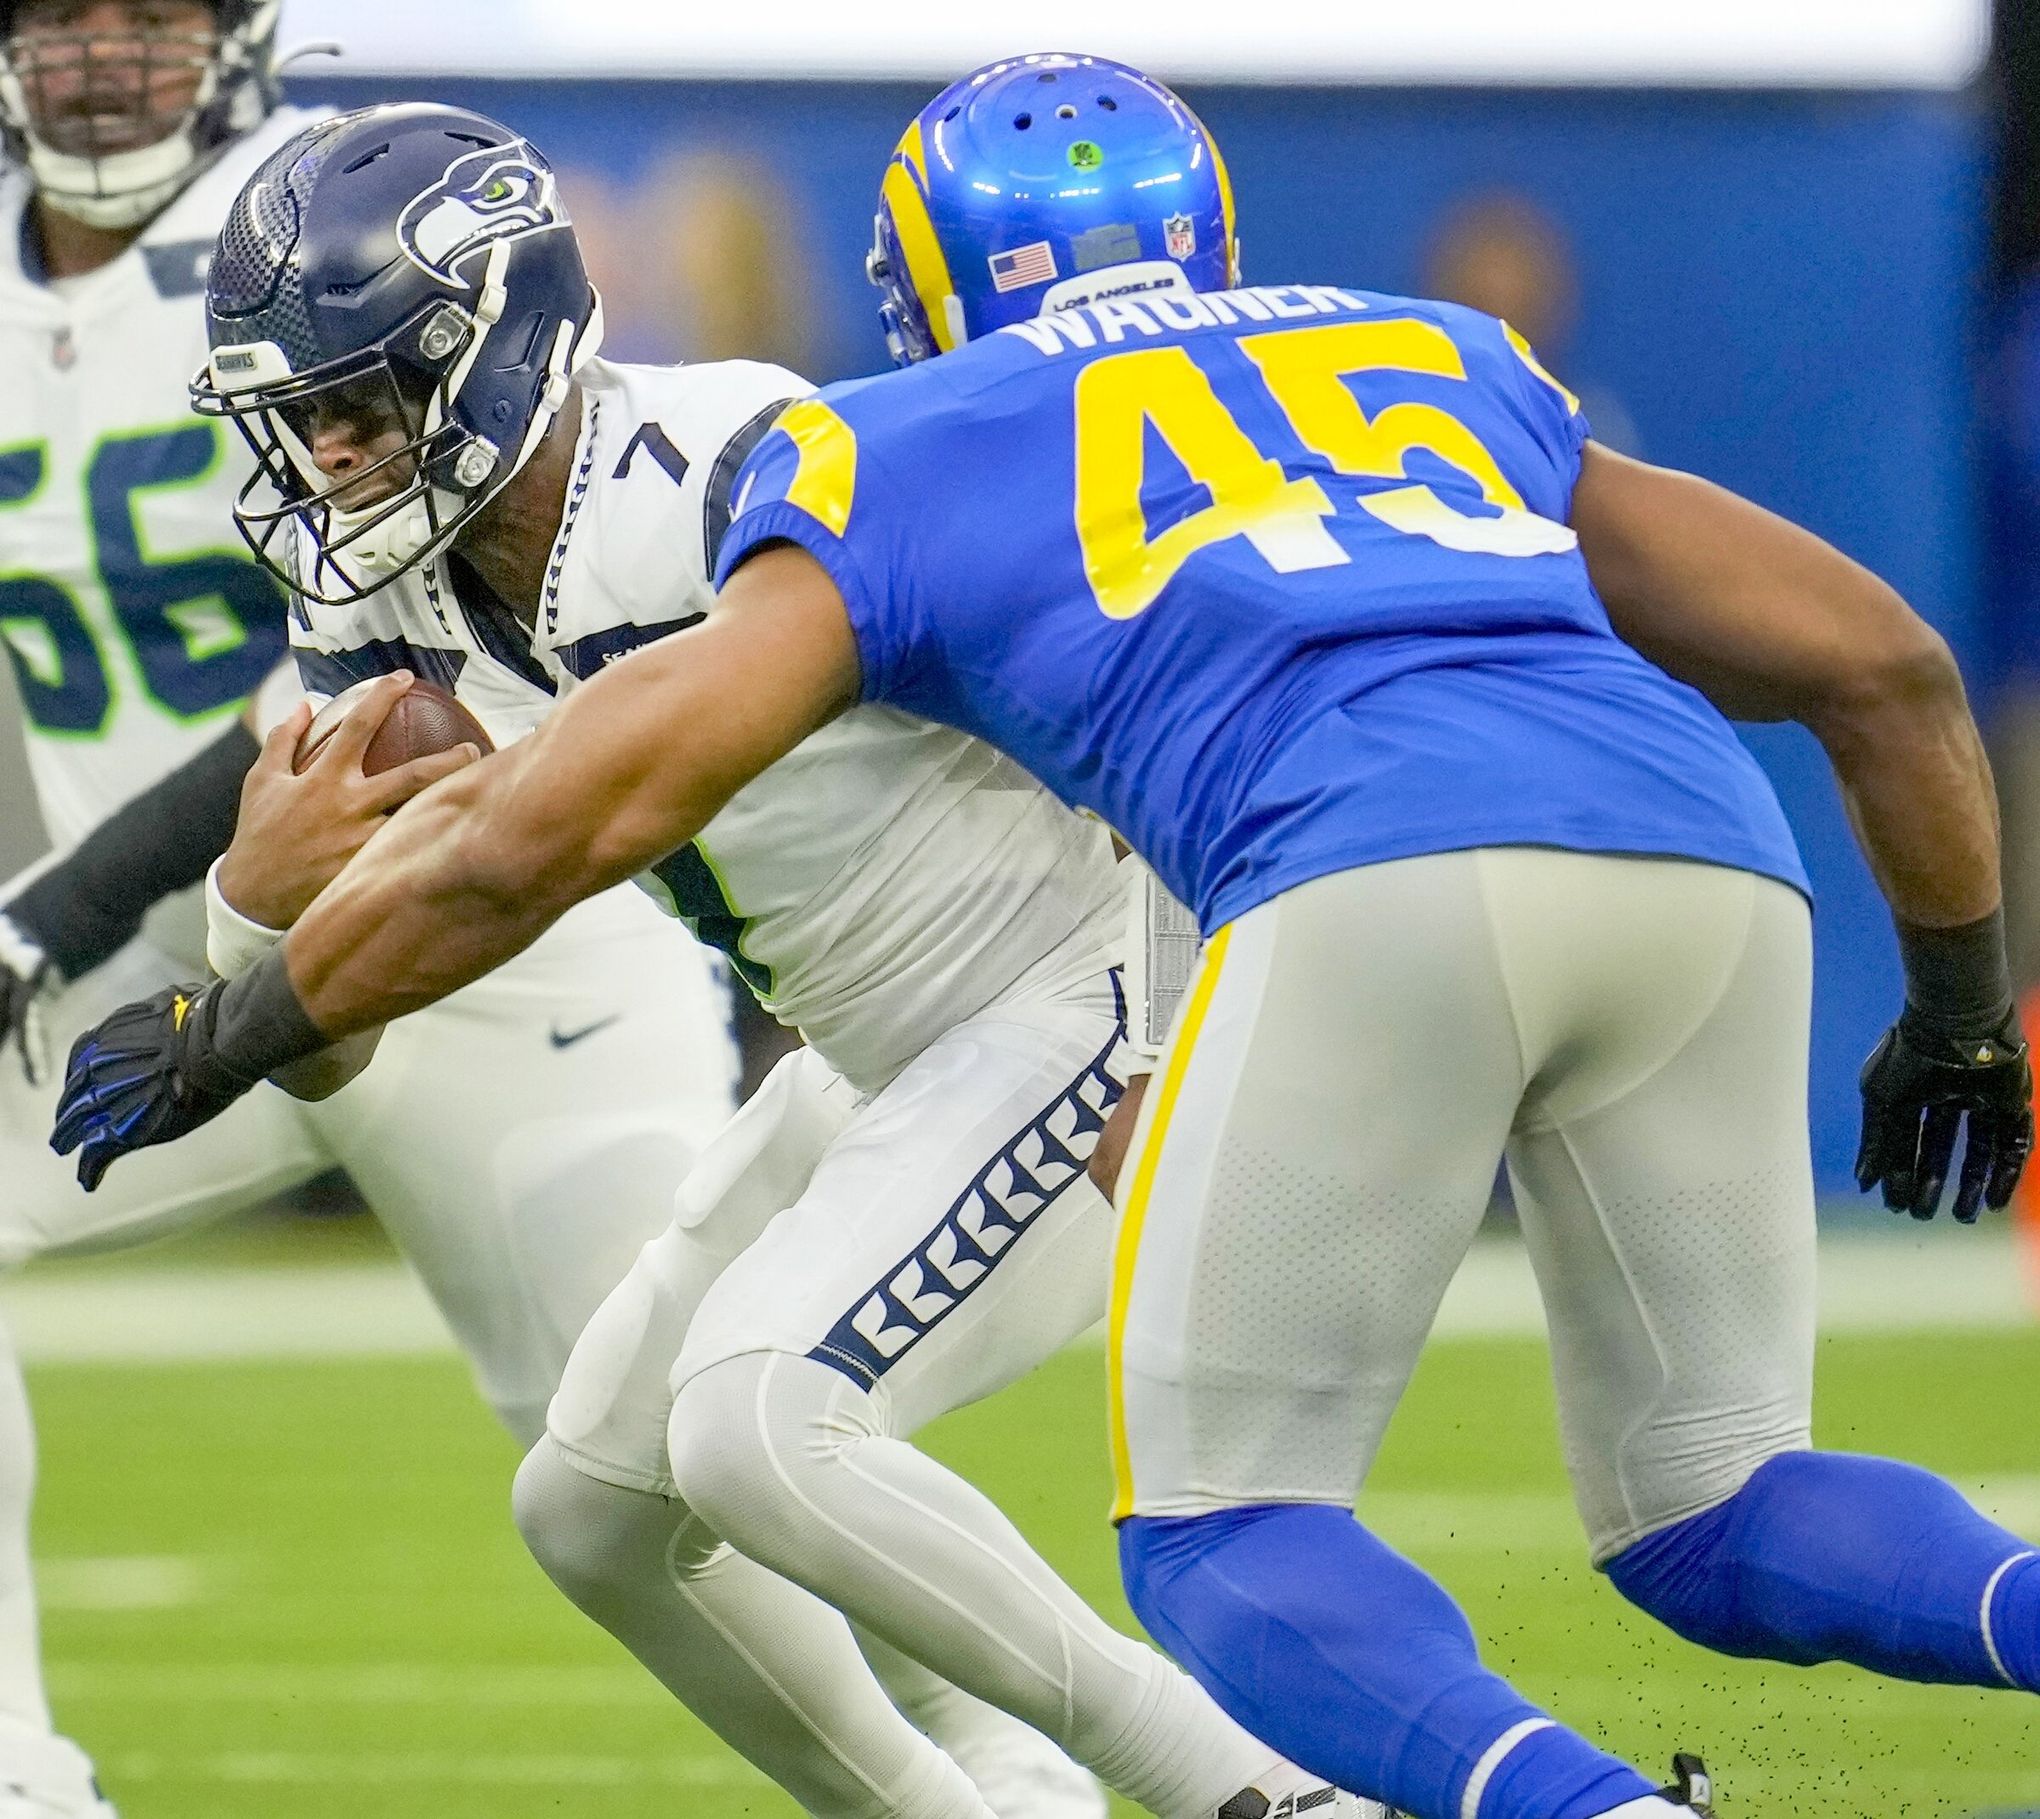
(148, 1074)
(154, 1071)
(1920, 1085)
(27, 979)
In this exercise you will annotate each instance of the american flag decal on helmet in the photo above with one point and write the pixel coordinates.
(1022, 266)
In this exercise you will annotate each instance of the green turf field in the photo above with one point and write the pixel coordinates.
(291, 1590)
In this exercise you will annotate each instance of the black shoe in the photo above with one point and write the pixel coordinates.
(1691, 1786)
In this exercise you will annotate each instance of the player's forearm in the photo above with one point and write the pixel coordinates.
(422, 911)
(630, 768)
(476, 869)
(1918, 787)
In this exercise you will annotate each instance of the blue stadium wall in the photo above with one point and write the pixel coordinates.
(1783, 291)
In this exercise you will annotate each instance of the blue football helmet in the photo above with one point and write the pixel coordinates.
(1038, 184)
(408, 267)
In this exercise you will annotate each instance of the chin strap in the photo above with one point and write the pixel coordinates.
(121, 191)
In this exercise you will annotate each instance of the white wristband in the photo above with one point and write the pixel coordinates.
(1162, 945)
(233, 943)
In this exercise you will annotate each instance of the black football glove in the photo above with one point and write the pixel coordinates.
(1920, 1085)
(26, 980)
(148, 1074)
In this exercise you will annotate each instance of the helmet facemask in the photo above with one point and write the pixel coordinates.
(908, 338)
(112, 127)
(424, 471)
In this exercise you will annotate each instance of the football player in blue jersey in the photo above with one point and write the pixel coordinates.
(1327, 601)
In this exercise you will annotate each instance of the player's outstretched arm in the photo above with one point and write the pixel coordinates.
(633, 766)
(1772, 624)
(477, 867)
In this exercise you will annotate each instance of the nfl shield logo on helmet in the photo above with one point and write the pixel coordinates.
(1179, 235)
(497, 193)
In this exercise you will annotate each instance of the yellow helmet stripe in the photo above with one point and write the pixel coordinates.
(905, 192)
(1225, 196)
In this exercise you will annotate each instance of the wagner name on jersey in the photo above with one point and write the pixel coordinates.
(133, 620)
(885, 878)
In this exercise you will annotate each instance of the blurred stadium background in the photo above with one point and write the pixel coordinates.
(1795, 247)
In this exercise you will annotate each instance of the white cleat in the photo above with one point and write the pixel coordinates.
(1022, 1775)
(44, 1777)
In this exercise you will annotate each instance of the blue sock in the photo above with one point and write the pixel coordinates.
(1831, 1557)
(1338, 1652)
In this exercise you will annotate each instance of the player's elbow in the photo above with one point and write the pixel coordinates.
(1901, 674)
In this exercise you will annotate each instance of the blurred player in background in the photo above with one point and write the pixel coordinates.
(1481, 879)
(520, 1144)
(900, 1221)
(1503, 255)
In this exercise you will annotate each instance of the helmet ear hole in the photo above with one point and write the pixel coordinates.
(1023, 121)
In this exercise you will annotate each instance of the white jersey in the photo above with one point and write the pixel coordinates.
(135, 623)
(883, 880)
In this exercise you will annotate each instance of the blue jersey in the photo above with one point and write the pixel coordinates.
(1276, 581)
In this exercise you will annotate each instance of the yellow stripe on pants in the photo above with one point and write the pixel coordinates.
(1134, 1216)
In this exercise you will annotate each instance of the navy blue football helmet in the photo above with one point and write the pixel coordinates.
(408, 267)
(1041, 183)
(79, 108)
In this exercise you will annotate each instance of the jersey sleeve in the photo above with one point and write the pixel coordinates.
(1553, 412)
(330, 660)
(813, 483)
(744, 399)
(338, 646)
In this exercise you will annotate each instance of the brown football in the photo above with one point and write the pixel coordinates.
(425, 719)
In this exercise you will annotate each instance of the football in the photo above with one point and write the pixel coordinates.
(425, 719)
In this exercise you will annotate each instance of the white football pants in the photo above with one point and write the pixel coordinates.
(1318, 1146)
(840, 1272)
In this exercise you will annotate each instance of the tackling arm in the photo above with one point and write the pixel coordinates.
(632, 766)
(477, 867)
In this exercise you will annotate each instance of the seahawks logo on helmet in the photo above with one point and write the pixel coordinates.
(502, 192)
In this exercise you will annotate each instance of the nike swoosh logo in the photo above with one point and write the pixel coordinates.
(567, 1038)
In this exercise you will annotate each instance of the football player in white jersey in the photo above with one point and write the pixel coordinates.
(519, 1145)
(900, 1221)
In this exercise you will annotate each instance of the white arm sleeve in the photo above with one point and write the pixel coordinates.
(232, 942)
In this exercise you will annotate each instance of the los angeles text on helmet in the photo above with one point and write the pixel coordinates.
(1165, 312)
